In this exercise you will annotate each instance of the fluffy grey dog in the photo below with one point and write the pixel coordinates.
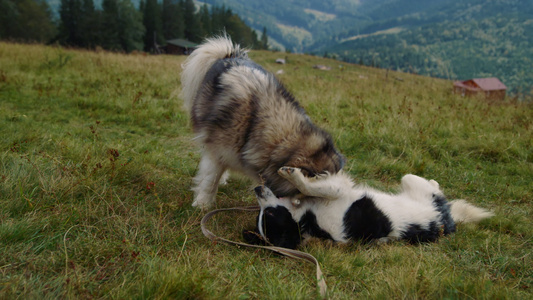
(245, 120)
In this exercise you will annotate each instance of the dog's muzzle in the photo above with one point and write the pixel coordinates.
(259, 190)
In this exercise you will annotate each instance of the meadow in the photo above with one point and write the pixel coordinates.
(97, 160)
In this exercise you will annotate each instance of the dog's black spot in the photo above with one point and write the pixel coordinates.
(443, 207)
(364, 221)
(280, 228)
(445, 224)
(309, 225)
(416, 234)
(252, 237)
(307, 172)
(209, 90)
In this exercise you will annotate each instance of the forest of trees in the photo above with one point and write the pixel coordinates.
(493, 47)
(120, 26)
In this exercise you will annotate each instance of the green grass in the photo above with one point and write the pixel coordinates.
(97, 157)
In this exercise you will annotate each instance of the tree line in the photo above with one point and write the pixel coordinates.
(119, 26)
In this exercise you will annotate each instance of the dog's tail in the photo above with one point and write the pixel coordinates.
(464, 212)
(200, 61)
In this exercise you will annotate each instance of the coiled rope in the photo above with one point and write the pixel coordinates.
(284, 251)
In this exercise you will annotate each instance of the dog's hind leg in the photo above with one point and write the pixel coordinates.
(320, 187)
(206, 181)
(224, 178)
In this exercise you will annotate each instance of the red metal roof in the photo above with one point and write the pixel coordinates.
(463, 85)
(489, 84)
(485, 84)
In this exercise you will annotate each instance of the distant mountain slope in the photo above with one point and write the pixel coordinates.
(456, 40)
(444, 38)
(298, 24)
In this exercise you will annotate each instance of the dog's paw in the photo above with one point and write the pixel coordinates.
(287, 172)
(434, 183)
(224, 178)
(203, 202)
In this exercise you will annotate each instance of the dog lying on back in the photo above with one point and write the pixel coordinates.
(245, 120)
(332, 207)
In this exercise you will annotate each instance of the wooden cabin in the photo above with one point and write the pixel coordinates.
(492, 88)
(179, 47)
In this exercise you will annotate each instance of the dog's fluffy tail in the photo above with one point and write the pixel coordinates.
(464, 212)
(200, 61)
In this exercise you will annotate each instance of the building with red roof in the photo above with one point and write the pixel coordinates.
(492, 88)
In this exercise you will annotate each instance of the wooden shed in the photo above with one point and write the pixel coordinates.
(492, 88)
(179, 47)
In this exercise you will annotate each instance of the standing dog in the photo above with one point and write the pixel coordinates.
(245, 120)
(336, 209)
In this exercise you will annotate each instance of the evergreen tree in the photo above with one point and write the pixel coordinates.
(8, 19)
(153, 26)
(193, 30)
(264, 39)
(70, 31)
(223, 20)
(205, 19)
(110, 25)
(90, 25)
(131, 29)
(217, 19)
(172, 19)
(26, 20)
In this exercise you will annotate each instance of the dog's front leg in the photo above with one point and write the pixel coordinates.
(206, 181)
(320, 187)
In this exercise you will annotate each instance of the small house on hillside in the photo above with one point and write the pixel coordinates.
(492, 88)
(179, 47)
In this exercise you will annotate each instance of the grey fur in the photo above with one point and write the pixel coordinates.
(245, 120)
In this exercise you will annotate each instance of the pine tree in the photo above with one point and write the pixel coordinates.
(26, 20)
(193, 29)
(110, 25)
(70, 31)
(153, 26)
(8, 19)
(172, 19)
(90, 25)
(205, 19)
(131, 27)
(264, 39)
(217, 19)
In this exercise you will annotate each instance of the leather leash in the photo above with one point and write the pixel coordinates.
(284, 251)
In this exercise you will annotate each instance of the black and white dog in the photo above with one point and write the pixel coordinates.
(332, 207)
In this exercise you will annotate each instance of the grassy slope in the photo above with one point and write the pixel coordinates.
(96, 161)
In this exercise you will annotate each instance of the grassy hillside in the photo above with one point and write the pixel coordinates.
(96, 161)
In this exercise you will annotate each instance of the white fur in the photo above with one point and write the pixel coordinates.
(207, 180)
(332, 196)
(199, 62)
(463, 212)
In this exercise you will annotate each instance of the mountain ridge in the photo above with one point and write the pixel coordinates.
(443, 38)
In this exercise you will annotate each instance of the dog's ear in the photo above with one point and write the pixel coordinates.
(252, 237)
